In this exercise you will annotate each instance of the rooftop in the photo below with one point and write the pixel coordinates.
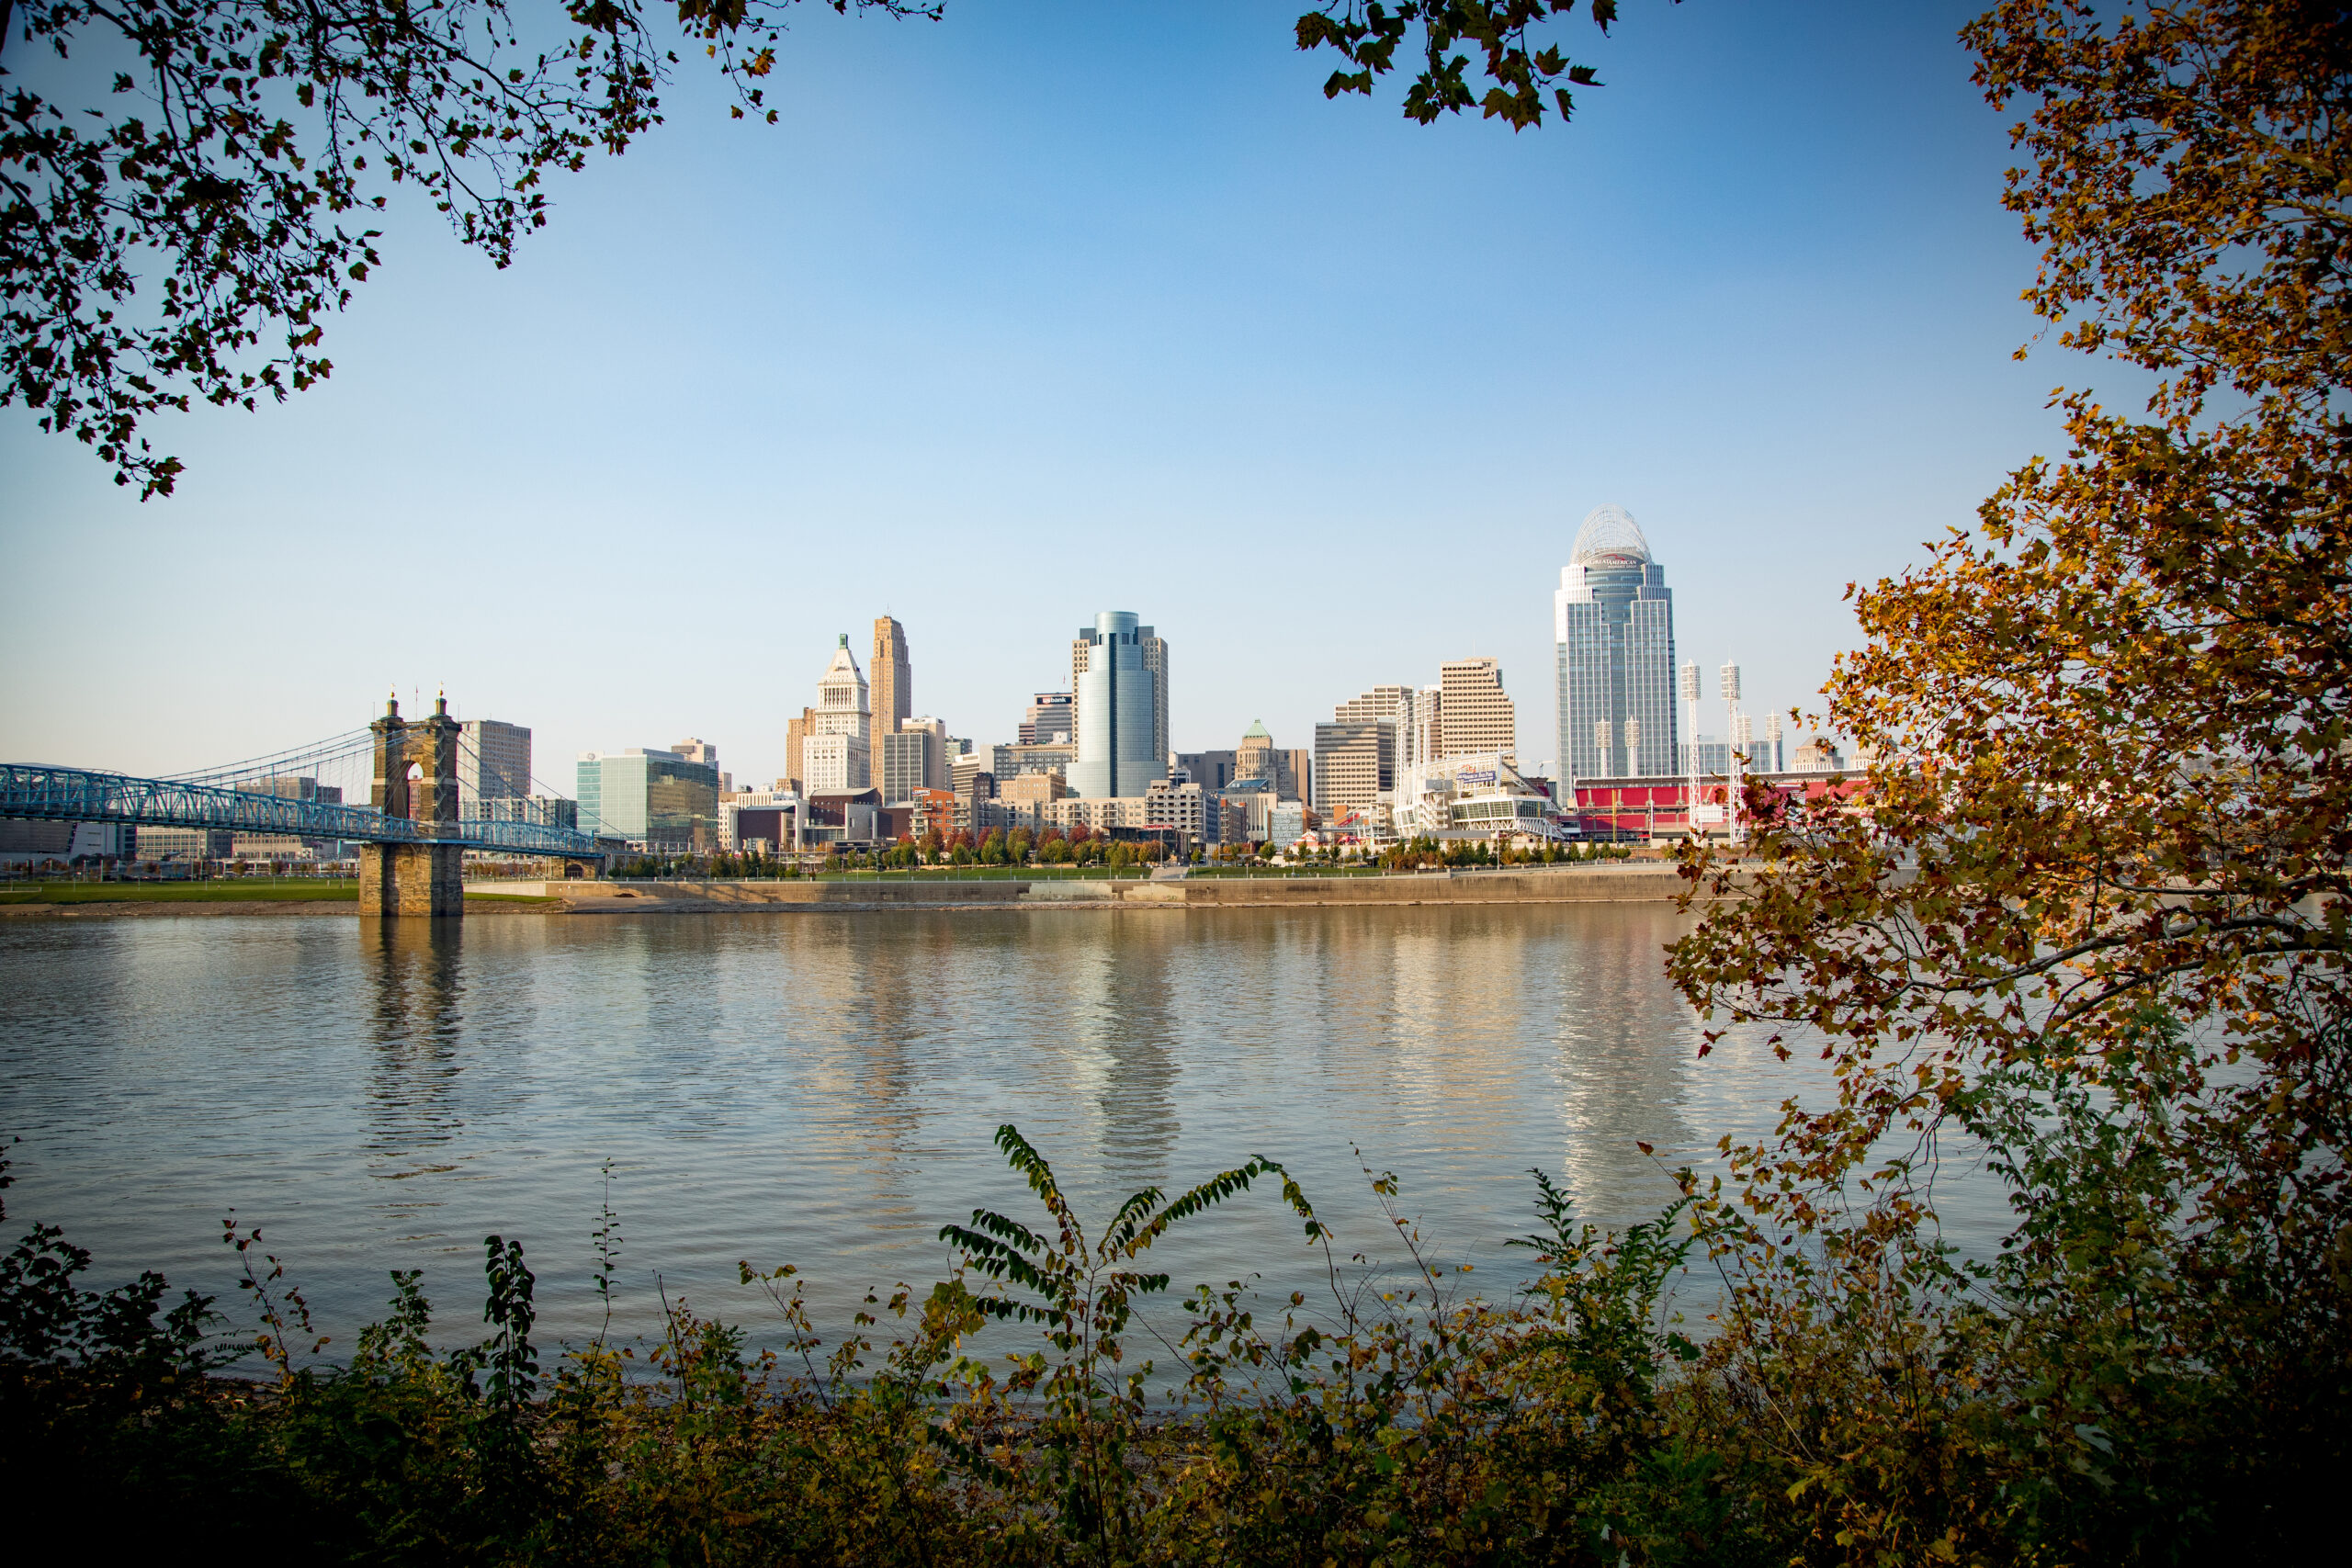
(1609, 537)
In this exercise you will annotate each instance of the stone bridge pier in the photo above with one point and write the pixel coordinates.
(416, 777)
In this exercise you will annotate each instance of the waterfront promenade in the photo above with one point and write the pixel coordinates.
(1622, 883)
(1614, 884)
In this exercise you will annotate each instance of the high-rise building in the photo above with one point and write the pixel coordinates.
(1356, 762)
(1050, 716)
(1255, 756)
(657, 799)
(1210, 770)
(493, 763)
(914, 758)
(1393, 702)
(1613, 621)
(1478, 717)
(796, 735)
(893, 684)
(1295, 774)
(694, 749)
(1151, 653)
(836, 754)
(1122, 731)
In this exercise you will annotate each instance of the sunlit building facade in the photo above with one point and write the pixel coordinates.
(1122, 729)
(1613, 624)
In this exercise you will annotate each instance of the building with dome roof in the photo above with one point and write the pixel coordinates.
(1612, 620)
(1288, 773)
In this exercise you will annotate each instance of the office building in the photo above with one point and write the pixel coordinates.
(975, 795)
(1043, 757)
(151, 843)
(651, 799)
(1021, 801)
(694, 749)
(289, 846)
(795, 736)
(1122, 729)
(1289, 772)
(539, 810)
(1210, 770)
(1478, 719)
(493, 763)
(1613, 622)
(835, 763)
(893, 687)
(833, 739)
(915, 757)
(1050, 716)
(1355, 764)
(1151, 654)
(760, 821)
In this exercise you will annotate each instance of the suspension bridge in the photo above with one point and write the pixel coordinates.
(411, 834)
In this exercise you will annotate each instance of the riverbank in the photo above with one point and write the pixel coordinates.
(106, 900)
(1610, 884)
(1618, 883)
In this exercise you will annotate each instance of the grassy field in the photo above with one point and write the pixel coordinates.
(241, 890)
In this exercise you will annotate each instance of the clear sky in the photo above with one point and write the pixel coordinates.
(1072, 305)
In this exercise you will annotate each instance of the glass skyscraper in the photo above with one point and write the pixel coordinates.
(1121, 748)
(654, 798)
(1612, 619)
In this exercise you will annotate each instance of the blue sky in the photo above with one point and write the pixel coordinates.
(1057, 306)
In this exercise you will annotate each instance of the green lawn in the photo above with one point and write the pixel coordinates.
(237, 890)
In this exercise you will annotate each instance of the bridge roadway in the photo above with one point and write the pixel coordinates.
(79, 794)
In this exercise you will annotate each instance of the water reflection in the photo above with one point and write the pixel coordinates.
(415, 1023)
(1132, 1027)
(821, 1088)
(1627, 1053)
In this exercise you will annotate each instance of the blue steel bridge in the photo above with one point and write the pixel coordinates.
(242, 797)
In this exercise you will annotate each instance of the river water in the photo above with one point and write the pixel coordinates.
(821, 1088)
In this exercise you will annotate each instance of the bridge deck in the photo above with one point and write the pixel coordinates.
(80, 795)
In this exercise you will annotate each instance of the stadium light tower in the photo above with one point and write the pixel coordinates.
(1690, 745)
(1736, 728)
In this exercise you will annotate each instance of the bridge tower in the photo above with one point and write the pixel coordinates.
(416, 777)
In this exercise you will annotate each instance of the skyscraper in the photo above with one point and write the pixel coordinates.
(893, 685)
(1153, 652)
(1355, 761)
(1478, 717)
(835, 752)
(1049, 718)
(1612, 620)
(493, 763)
(1122, 731)
(914, 758)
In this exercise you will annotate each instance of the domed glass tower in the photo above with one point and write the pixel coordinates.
(1612, 619)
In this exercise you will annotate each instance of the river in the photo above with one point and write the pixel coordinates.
(822, 1088)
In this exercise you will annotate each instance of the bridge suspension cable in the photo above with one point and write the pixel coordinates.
(310, 759)
(589, 823)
